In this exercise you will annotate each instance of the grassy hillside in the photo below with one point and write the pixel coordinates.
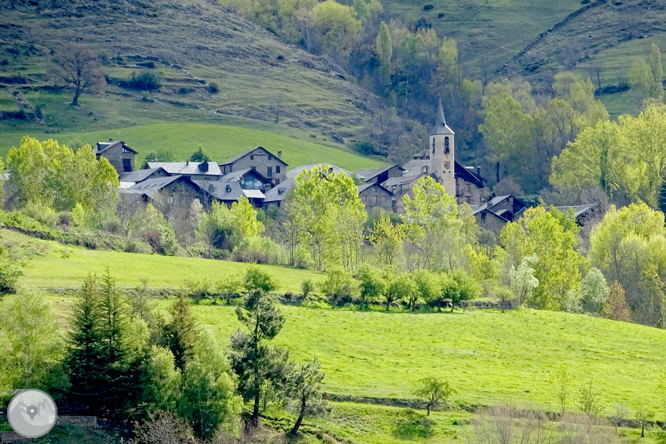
(222, 142)
(190, 45)
(50, 264)
(490, 356)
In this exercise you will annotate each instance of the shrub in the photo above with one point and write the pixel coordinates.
(199, 288)
(144, 80)
(213, 88)
(307, 287)
(340, 287)
(42, 213)
(184, 90)
(303, 257)
(261, 250)
(10, 271)
(428, 7)
(138, 246)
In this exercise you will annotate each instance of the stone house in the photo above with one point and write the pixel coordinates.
(261, 160)
(130, 179)
(379, 175)
(374, 195)
(168, 194)
(118, 154)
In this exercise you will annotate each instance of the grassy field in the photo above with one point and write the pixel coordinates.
(53, 265)
(222, 142)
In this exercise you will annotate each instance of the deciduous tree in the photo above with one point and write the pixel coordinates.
(78, 67)
(434, 392)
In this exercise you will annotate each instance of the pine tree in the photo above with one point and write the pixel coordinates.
(182, 334)
(616, 307)
(253, 361)
(85, 360)
(306, 392)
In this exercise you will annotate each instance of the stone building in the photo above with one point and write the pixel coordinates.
(118, 154)
(374, 195)
(193, 170)
(261, 160)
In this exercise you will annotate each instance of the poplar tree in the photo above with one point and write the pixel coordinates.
(656, 87)
(384, 48)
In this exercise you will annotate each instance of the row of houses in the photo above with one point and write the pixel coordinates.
(264, 178)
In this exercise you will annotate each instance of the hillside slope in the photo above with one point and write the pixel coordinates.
(191, 43)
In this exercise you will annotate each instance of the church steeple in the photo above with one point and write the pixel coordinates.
(441, 128)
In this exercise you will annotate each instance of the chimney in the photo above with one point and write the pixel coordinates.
(280, 155)
(110, 139)
(478, 171)
(203, 166)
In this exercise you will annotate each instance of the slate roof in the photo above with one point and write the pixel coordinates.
(296, 171)
(237, 175)
(227, 191)
(367, 174)
(578, 209)
(365, 186)
(279, 192)
(188, 168)
(250, 151)
(476, 209)
(140, 175)
(441, 128)
(151, 186)
(467, 175)
(103, 146)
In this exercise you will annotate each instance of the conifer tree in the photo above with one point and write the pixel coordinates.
(306, 392)
(251, 358)
(182, 333)
(85, 357)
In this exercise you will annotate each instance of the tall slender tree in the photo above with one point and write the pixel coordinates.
(656, 87)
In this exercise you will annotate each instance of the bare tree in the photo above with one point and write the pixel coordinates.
(78, 67)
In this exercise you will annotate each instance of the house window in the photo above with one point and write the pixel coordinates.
(251, 157)
(270, 171)
(446, 145)
(277, 181)
(270, 157)
(433, 147)
(126, 151)
(170, 199)
(277, 169)
(127, 165)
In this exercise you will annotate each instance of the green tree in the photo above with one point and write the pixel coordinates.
(162, 381)
(340, 286)
(616, 307)
(305, 390)
(255, 279)
(430, 223)
(433, 392)
(182, 334)
(467, 287)
(30, 343)
(428, 284)
(384, 49)
(522, 279)
(639, 73)
(251, 358)
(200, 155)
(386, 238)
(551, 236)
(371, 284)
(656, 87)
(329, 216)
(401, 288)
(10, 272)
(336, 25)
(209, 399)
(590, 399)
(595, 292)
(562, 380)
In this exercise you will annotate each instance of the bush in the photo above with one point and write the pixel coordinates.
(144, 80)
(199, 288)
(428, 7)
(307, 287)
(213, 88)
(10, 272)
(138, 246)
(340, 287)
(261, 250)
(302, 257)
(42, 213)
(184, 90)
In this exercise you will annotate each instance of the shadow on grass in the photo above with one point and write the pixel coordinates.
(413, 425)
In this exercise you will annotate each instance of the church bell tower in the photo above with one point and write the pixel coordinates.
(442, 157)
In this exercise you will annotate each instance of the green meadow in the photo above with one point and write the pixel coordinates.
(220, 141)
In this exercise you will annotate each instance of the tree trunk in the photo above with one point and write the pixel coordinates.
(299, 421)
(428, 410)
(255, 412)
(75, 100)
(388, 305)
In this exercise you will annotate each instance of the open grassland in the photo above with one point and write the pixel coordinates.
(488, 356)
(221, 142)
(53, 265)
